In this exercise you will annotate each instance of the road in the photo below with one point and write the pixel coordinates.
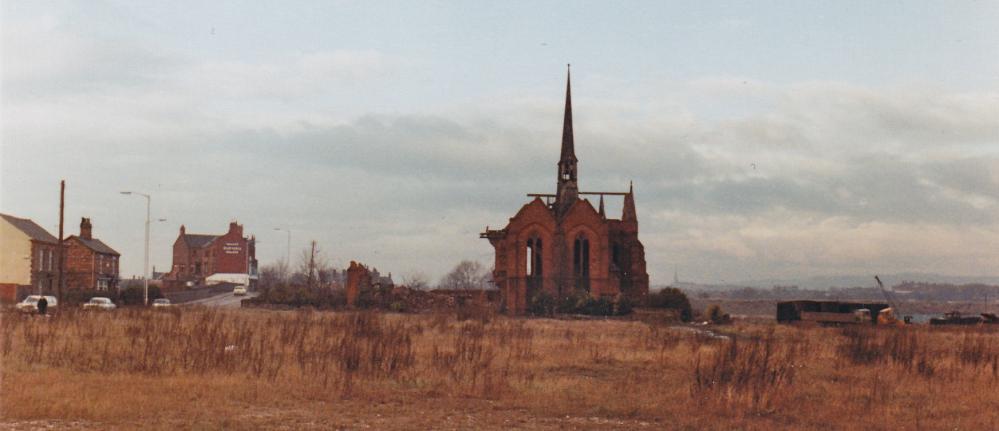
(225, 300)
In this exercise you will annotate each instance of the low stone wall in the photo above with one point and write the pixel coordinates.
(182, 296)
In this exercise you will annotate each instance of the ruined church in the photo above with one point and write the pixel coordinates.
(560, 244)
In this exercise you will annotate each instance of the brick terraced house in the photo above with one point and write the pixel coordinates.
(90, 263)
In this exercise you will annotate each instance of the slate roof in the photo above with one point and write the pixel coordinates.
(198, 241)
(30, 228)
(95, 245)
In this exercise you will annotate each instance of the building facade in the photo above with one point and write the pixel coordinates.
(90, 263)
(203, 259)
(560, 244)
(28, 257)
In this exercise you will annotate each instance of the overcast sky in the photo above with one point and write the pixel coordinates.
(764, 139)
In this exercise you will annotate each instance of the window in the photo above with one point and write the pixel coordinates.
(50, 259)
(581, 262)
(534, 257)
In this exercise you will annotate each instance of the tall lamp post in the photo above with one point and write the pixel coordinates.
(287, 255)
(145, 267)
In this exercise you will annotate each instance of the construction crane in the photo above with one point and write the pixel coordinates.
(890, 315)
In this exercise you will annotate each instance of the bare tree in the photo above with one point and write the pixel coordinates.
(466, 275)
(274, 274)
(416, 280)
(314, 265)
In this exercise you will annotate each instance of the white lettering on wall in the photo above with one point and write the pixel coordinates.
(232, 248)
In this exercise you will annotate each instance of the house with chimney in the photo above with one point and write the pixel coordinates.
(200, 259)
(28, 258)
(90, 263)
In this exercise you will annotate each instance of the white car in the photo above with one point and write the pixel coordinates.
(99, 303)
(239, 291)
(161, 302)
(30, 304)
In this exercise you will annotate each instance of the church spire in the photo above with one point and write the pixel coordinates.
(568, 191)
(568, 146)
(602, 212)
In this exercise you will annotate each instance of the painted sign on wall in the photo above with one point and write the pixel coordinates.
(232, 248)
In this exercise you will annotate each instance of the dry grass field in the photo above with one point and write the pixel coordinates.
(257, 369)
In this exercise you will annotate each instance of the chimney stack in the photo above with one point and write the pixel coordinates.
(85, 229)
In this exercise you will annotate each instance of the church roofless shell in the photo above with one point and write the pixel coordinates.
(558, 243)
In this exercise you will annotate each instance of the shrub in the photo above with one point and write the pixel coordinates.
(597, 307)
(581, 302)
(301, 296)
(541, 304)
(671, 298)
(715, 315)
(573, 302)
(623, 306)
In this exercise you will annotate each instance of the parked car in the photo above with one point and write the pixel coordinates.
(161, 302)
(30, 304)
(99, 303)
(239, 290)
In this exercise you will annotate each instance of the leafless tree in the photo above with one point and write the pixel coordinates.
(466, 275)
(318, 265)
(274, 274)
(416, 280)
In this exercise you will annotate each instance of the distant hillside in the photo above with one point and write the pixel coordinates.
(844, 281)
(985, 294)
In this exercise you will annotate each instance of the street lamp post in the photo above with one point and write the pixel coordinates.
(145, 259)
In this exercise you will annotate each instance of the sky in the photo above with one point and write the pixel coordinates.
(764, 139)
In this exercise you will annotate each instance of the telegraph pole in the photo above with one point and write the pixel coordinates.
(62, 253)
(312, 263)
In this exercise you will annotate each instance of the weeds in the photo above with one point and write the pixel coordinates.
(753, 377)
(756, 373)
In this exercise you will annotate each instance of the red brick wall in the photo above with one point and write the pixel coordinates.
(536, 221)
(8, 293)
(229, 252)
(181, 258)
(358, 277)
(79, 266)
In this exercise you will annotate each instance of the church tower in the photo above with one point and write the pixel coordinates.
(567, 191)
(559, 246)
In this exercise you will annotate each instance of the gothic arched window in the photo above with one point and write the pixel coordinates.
(535, 252)
(581, 261)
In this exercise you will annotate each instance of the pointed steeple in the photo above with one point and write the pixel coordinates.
(602, 212)
(568, 144)
(568, 191)
(629, 214)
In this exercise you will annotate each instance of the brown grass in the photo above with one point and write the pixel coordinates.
(203, 368)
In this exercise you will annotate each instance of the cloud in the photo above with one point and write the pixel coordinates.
(735, 178)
